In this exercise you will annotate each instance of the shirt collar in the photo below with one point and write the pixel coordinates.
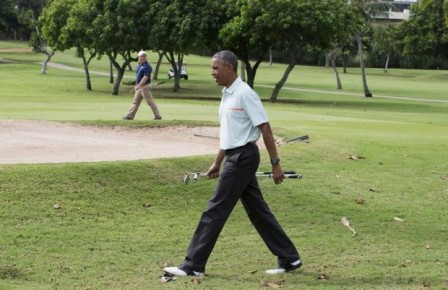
(232, 88)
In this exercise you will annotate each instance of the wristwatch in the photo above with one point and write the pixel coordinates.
(275, 161)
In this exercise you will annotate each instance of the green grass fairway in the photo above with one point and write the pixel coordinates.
(120, 223)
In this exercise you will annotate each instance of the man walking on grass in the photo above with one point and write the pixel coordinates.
(242, 121)
(142, 89)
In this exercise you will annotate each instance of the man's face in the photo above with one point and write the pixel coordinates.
(142, 58)
(222, 72)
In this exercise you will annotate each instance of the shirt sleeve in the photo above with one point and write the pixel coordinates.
(254, 108)
(148, 70)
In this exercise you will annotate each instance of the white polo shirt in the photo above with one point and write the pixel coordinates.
(240, 113)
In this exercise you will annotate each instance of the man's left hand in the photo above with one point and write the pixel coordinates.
(277, 173)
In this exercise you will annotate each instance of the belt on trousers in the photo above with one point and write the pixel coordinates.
(229, 151)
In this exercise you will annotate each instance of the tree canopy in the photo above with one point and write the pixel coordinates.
(19, 17)
(444, 6)
(117, 29)
(425, 34)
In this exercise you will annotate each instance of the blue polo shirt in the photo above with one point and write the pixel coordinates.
(142, 70)
(240, 114)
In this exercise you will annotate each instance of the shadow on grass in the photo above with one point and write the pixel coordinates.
(359, 282)
(357, 104)
(10, 272)
(369, 104)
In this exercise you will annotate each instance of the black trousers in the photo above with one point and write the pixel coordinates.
(238, 181)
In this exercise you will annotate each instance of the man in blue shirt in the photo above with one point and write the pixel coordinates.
(242, 121)
(142, 89)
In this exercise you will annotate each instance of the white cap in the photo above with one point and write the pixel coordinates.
(141, 52)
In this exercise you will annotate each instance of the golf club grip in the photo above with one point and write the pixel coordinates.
(296, 176)
(287, 175)
(270, 172)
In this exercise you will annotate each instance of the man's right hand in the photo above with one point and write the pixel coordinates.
(213, 171)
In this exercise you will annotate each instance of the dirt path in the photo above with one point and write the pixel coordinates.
(16, 49)
(25, 141)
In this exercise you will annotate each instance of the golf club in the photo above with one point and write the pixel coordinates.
(300, 138)
(288, 174)
(206, 136)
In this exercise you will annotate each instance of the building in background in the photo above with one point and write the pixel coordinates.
(398, 11)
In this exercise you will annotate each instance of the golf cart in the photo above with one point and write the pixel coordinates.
(183, 72)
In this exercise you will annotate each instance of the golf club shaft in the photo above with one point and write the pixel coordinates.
(270, 172)
(287, 174)
(270, 175)
(206, 136)
(300, 138)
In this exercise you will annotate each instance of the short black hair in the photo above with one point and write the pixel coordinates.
(227, 56)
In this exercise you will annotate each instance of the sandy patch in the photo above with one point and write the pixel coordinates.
(24, 141)
(16, 49)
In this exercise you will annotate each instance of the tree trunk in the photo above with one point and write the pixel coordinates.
(86, 71)
(336, 74)
(251, 71)
(250, 75)
(42, 48)
(116, 88)
(85, 63)
(49, 55)
(332, 57)
(386, 65)
(128, 56)
(120, 72)
(279, 85)
(344, 64)
(111, 73)
(327, 60)
(171, 59)
(367, 93)
(180, 62)
(243, 71)
(159, 62)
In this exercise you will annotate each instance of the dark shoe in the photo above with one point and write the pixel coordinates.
(288, 268)
(176, 271)
(158, 117)
(127, 118)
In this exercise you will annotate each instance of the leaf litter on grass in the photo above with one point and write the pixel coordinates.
(274, 285)
(346, 223)
(356, 157)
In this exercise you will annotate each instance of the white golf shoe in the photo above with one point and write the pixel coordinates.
(181, 273)
(290, 267)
